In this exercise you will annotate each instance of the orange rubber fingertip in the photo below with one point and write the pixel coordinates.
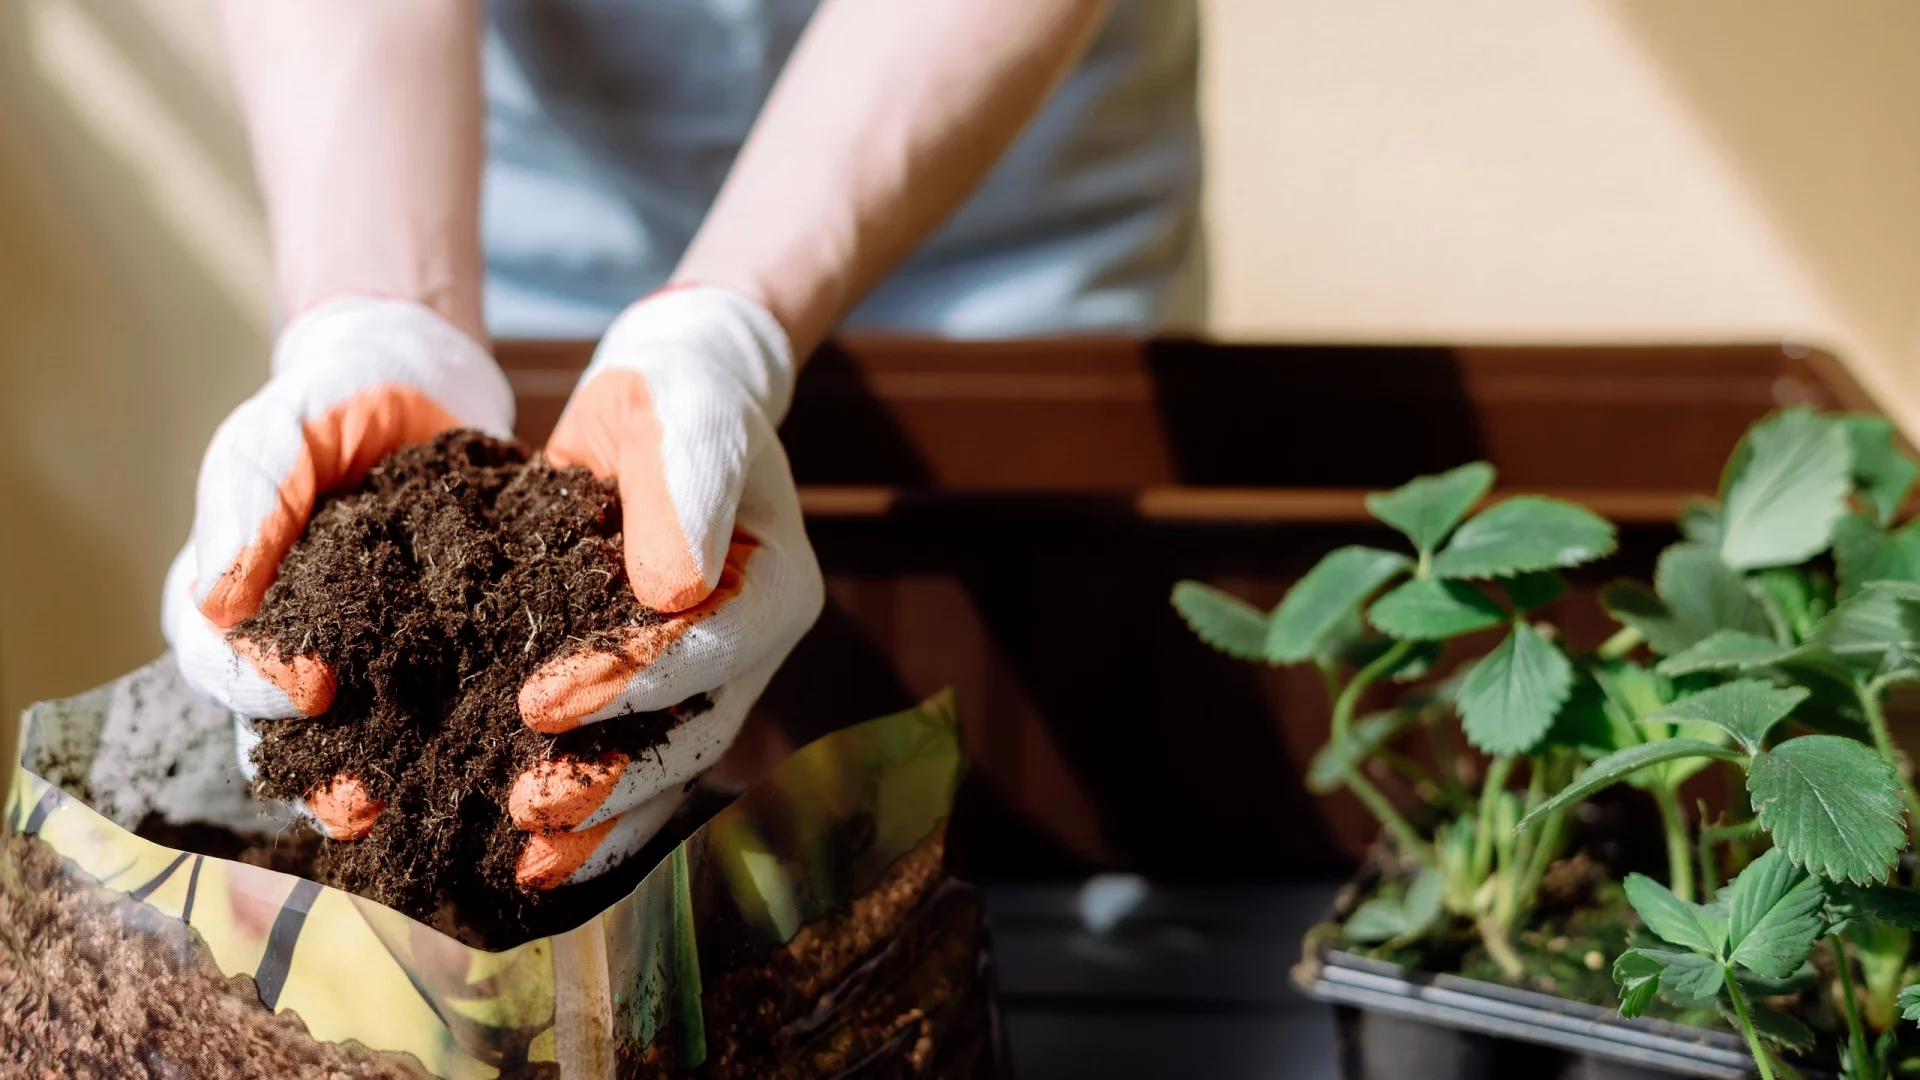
(307, 680)
(551, 858)
(561, 793)
(344, 807)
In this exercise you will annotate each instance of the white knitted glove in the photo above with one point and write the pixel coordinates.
(680, 406)
(353, 380)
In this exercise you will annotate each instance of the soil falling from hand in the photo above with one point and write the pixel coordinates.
(433, 591)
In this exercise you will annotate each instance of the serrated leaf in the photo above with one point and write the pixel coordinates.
(1881, 472)
(1524, 533)
(1789, 487)
(1426, 508)
(1832, 804)
(1699, 522)
(1876, 629)
(1222, 620)
(1621, 764)
(1315, 605)
(1378, 919)
(1725, 650)
(1584, 725)
(1638, 974)
(1746, 709)
(1690, 979)
(1888, 905)
(1773, 912)
(1804, 977)
(1428, 609)
(1910, 1002)
(1673, 919)
(1773, 1025)
(1534, 590)
(1509, 699)
(1703, 594)
(1863, 552)
(1328, 772)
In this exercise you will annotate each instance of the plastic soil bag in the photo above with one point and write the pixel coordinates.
(148, 926)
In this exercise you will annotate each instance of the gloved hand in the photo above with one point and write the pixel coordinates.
(353, 380)
(680, 406)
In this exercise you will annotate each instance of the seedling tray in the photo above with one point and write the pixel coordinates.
(1460, 1016)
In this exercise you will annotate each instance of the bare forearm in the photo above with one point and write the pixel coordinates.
(366, 123)
(886, 117)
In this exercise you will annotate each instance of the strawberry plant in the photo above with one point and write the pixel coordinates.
(1764, 649)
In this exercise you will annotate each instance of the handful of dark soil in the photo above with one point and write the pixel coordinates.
(433, 591)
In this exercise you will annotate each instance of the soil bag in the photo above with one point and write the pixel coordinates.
(147, 926)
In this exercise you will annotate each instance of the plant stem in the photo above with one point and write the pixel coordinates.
(1624, 640)
(1410, 771)
(1543, 851)
(1448, 760)
(1759, 1052)
(1496, 782)
(1350, 695)
(688, 1014)
(1869, 694)
(1679, 851)
(1857, 1040)
(1499, 949)
(1404, 834)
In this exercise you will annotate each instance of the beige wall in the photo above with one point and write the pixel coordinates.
(1399, 169)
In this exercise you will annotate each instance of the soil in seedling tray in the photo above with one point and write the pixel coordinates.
(433, 591)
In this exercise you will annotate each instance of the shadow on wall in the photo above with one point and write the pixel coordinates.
(1817, 115)
(133, 315)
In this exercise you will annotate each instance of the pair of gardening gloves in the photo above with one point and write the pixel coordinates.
(679, 406)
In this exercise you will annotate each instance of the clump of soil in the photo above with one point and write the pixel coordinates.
(433, 591)
(94, 986)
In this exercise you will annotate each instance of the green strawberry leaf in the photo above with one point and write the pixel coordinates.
(1621, 764)
(1910, 1002)
(1508, 700)
(1638, 973)
(1674, 920)
(1773, 910)
(1328, 772)
(1222, 620)
(1633, 604)
(1887, 905)
(1832, 804)
(1725, 650)
(1378, 919)
(1314, 607)
(1876, 630)
(1882, 474)
(1534, 590)
(1428, 609)
(1426, 508)
(1704, 594)
(1690, 979)
(1699, 522)
(1863, 552)
(1747, 709)
(1787, 485)
(1423, 903)
(1524, 533)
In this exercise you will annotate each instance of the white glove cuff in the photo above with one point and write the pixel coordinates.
(732, 335)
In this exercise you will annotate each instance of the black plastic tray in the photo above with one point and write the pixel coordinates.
(1398, 1022)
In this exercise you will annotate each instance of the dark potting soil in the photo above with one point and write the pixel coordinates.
(94, 986)
(433, 591)
(895, 984)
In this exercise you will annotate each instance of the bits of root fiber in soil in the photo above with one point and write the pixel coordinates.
(433, 591)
